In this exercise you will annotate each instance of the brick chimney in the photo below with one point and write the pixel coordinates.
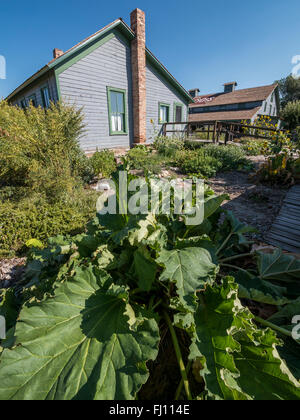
(138, 66)
(57, 53)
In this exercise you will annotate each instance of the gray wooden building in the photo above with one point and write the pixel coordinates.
(236, 105)
(124, 90)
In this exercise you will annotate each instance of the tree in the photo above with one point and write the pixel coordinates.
(289, 88)
(291, 114)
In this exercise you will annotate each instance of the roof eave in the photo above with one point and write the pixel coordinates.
(125, 30)
(117, 24)
(27, 82)
(122, 26)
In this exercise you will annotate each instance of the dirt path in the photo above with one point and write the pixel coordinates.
(256, 205)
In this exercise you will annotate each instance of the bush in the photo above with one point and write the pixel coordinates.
(40, 150)
(291, 115)
(42, 172)
(35, 218)
(206, 161)
(143, 158)
(232, 157)
(282, 169)
(103, 163)
(198, 163)
(168, 146)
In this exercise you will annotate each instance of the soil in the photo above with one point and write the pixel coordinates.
(255, 205)
(165, 375)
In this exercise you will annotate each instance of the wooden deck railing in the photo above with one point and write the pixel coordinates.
(214, 130)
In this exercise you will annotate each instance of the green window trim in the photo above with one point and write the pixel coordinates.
(124, 92)
(43, 88)
(168, 106)
(178, 104)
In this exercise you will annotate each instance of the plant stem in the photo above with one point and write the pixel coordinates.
(236, 257)
(273, 326)
(224, 243)
(179, 357)
(157, 304)
(180, 386)
(235, 268)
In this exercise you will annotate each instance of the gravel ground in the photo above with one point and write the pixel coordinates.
(11, 271)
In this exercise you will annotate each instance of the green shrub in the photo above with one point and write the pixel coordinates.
(168, 146)
(103, 163)
(253, 147)
(197, 163)
(143, 158)
(36, 218)
(206, 161)
(41, 150)
(232, 157)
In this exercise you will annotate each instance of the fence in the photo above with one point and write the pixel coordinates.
(216, 131)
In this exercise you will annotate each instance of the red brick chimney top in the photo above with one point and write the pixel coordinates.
(57, 53)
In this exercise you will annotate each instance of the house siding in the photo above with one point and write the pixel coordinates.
(85, 83)
(159, 90)
(35, 89)
(269, 102)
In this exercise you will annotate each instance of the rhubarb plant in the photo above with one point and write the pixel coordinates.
(87, 319)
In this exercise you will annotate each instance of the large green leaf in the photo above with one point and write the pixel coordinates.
(264, 375)
(284, 317)
(191, 269)
(278, 266)
(212, 204)
(84, 343)
(230, 235)
(215, 323)
(145, 269)
(241, 361)
(291, 346)
(259, 290)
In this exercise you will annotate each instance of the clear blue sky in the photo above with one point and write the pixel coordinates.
(202, 43)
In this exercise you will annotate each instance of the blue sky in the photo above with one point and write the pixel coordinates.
(203, 44)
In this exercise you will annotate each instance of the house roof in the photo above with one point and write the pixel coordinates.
(224, 116)
(125, 30)
(239, 96)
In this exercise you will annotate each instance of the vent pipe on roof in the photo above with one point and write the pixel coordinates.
(194, 92)
(230, 87)
(57, 53)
